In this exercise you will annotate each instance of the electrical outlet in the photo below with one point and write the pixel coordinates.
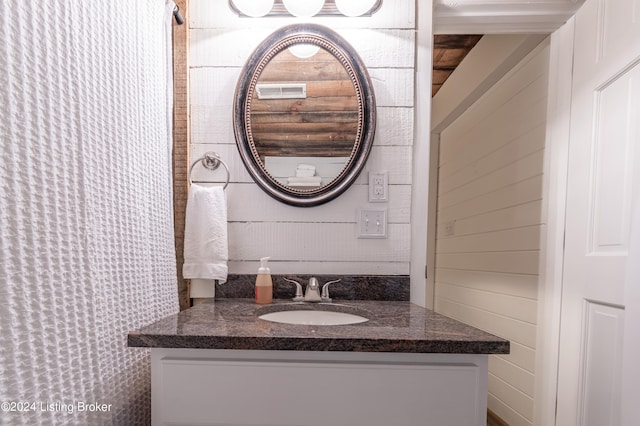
(372, 223)
(378, 187)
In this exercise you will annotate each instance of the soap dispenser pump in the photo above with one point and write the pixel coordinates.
(264, 285)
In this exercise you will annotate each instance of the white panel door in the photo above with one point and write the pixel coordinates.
(600, 322)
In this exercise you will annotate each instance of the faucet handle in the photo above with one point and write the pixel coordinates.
(325, 291)
(299, 297)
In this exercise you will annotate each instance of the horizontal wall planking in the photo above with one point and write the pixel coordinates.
(516, 285)
(343, 209)
(486, 142)
(213, 86)
(501, 98)
(507, 328)
(489, 136)
(522, 356)
(316, 242)
(517, 400)
(512, 118)
(214, 124)
(519, 170)
(217, 14)
(506, 413)
(378, 48)
(263, 208)
(518, 148)
(521, 215)
(250, 266)
(515, 239)
(520, 378)
(393, 87)
(520, 262)
(219, 47)
(510, 196)
(517, 308)
(394, 126)
(395, 160)
(516, 90)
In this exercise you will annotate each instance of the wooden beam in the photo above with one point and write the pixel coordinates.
(180, 142)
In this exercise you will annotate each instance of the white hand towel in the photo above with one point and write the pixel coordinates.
(206, 250)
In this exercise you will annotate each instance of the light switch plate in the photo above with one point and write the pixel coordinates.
(378, 187)
(372, 223)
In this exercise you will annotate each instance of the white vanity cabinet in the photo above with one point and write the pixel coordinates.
(298, 388)
(220, 364)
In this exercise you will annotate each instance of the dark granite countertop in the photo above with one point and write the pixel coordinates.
(393, 327)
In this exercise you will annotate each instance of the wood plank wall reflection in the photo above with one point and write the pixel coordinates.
(323, 124)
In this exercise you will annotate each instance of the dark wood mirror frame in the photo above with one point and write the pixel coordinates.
(245, 91)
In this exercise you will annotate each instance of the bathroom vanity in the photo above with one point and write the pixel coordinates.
(220, 364)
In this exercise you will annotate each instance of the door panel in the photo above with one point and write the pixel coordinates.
(602, 349)
(603, 188)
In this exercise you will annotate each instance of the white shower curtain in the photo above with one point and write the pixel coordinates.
(86, 220)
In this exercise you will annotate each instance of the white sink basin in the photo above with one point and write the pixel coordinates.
(313, 317)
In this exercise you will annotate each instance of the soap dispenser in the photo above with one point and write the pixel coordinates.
(264, 285)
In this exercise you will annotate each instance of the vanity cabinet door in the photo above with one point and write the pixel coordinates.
(208, 391)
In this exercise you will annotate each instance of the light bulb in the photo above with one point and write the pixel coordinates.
(303, 8)
(254, 8)
(304, 50)
(354, 7)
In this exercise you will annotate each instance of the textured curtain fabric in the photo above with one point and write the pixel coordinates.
(86, 221)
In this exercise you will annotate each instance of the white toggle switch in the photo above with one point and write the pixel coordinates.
(372, 223)
(378, 187)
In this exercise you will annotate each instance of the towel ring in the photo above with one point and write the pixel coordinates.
(211, 161)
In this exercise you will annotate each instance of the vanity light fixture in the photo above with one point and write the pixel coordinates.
(304, 8)
(252, 8)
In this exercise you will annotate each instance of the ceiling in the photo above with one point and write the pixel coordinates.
(448, 52)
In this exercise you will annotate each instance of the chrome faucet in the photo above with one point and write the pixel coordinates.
(312, 292)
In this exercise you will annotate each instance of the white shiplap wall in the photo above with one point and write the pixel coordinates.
(489, 223)
(317, 239)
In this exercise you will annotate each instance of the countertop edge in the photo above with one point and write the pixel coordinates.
(399, 327)
(325, 345)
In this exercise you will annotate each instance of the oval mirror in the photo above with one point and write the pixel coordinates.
(304, 115)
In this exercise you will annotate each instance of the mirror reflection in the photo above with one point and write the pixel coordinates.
(304, 116)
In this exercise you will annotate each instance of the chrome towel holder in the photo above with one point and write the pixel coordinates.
(211, 161)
